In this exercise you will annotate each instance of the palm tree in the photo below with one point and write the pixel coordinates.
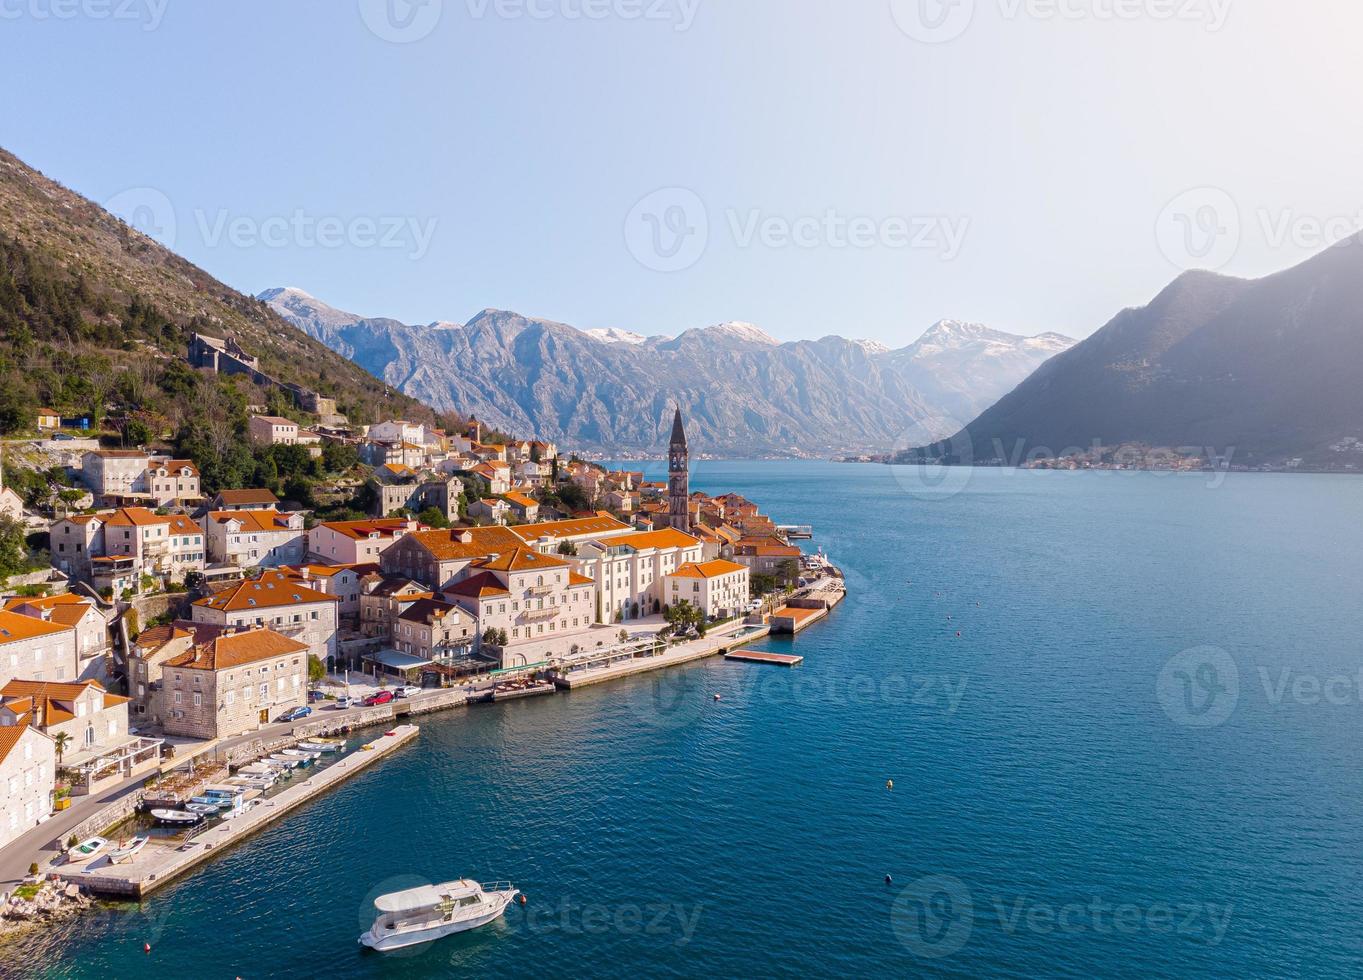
(62, 740)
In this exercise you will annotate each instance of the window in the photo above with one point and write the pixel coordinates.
(177, 697)
(198, 699)
(231, 698)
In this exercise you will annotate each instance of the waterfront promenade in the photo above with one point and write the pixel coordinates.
(157, 864)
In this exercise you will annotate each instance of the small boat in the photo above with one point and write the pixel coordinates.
(127, 850)
(176, 818)
(202, 809)
(86, 849)
(301, 754)
(321, 745)
(216, 802)
(288, 761)
(429, 912)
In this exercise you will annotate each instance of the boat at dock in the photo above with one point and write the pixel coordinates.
(287, 761)
(430, 912)
(175, 818)
(127, 850)
(321, 745)
(202, 809)
(86, 850)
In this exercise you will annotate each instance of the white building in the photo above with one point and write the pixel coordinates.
(36, 649)
(28, 774)
(719, 587)
(272, 430)
(356, 542)
(255, 538)
(630, 568)
(280, 601)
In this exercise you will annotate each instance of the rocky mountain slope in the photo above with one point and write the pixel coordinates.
(88, 306)
(1264, 369)
(744, 392)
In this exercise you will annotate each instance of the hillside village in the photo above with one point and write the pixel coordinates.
(155, 605)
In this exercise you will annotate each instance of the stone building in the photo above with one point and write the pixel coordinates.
(232, 683)
(28, 774)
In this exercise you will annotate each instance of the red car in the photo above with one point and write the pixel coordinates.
(378, 697)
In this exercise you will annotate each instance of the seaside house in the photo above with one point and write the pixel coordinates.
(719, 588)
(150, 650)
(28, 775)
(383, 600)
(80, 614)
(233, 682)
(100, 750)
(437, 631)
(534, 597)
(280, 601)
(629, 569)
(35, 648)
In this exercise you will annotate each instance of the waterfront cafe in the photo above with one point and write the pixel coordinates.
(404, 667)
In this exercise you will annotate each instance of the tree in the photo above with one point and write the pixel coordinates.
(317, 671)
(60, 741)
(574, 497)
(13, 547)
(567, 548)
(433, 517)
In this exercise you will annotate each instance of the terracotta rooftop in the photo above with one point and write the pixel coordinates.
(237, 649)
(14, 627)
(271, 590)
(709, 569)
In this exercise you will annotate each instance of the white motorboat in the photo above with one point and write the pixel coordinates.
(86, 849)
(287, 761)
(127, 850)
(176, 818)
(321, 745)
(420, 915)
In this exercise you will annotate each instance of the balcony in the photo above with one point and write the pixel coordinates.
(536, 615)
(539, 590)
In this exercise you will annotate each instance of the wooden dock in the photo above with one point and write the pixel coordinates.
(763, 657)
(159, 864)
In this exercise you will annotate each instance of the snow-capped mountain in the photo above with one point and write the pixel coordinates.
(610, 335)
(744, 391)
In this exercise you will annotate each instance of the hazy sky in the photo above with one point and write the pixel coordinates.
(861, 168)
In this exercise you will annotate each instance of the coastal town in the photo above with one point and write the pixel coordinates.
(188, 647)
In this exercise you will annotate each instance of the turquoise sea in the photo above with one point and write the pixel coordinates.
(1142, 756)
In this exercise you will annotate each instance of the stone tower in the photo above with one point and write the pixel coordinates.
(678, 487)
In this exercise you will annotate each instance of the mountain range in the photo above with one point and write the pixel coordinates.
(744, 392)
(1258, 369)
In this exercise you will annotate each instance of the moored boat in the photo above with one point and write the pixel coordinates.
(86, 849)
(127, 850)
(175, 818)
(202, 809)
(430, 912)
(321, 745)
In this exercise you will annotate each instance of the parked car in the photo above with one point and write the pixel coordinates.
(302, 711)
(344, 701)
(406, 692)
(378, 697)
(315, 696)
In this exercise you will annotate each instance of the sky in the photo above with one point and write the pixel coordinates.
(853, 167)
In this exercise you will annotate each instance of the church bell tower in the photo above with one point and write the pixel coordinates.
(678, 487)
